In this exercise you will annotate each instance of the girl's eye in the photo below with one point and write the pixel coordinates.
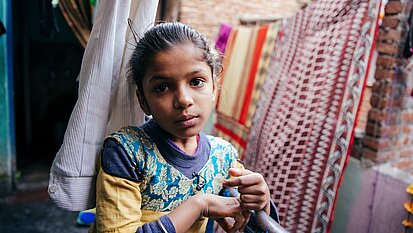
(161, 88)
(197, 82)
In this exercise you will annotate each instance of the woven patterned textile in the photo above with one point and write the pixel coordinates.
(248, 53)
(302, 129)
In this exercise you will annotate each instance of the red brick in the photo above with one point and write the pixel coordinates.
(382, 74)
(390, 21)
(370, 154)
(393, 7)
(393, 131)
(375, 115)
(401, 142)
(382, 87)
(384, 156)
(383, 131)
(373, 129)
(403, 165)
(396, 102)
(387, 61)
(407, 129)
(407, 153)
(389, 35)
(389, 49)
(380, 102)
(407, 117)
(384, 117)
(407, 92)
(377, 144)
(379, 156)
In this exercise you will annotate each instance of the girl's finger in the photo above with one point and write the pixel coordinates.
(247, 215)
(239, 172)
(239, 222)
(247, 198)
(225, 223)
(253, 206)
(254, 190)
(244, 180)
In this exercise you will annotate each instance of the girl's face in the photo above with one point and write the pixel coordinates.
(178, 91)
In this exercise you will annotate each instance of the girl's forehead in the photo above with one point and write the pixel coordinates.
(181, 49)
(179, 56)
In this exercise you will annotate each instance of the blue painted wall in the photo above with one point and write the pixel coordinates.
(7, 157)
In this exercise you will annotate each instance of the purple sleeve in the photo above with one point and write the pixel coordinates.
(116, 162)
(163, 225)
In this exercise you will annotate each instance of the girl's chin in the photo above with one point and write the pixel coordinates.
(186, 134)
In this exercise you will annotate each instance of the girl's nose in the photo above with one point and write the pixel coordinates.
(183, 99)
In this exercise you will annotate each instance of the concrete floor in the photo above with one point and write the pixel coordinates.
(32, 211)
(29, 208)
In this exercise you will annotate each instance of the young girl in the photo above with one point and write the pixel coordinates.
(165, 176)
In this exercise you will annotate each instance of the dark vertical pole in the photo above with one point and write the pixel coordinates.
(7, 141)
(10, 75)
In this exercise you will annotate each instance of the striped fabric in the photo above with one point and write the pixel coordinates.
(247, 57)
(106, 101)
(224, 32)
(303, 126)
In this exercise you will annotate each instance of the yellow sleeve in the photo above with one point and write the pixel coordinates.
(118, 204)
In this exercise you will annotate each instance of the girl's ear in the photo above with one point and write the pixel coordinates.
(142, 102)
(214, 91)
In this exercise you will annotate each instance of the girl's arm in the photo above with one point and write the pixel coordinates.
(118, 209)
(119, 201)
(207, 205)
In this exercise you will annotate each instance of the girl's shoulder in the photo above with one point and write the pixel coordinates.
(132, 136)
(222, 146)
(122, 154)
(134, 140)
(131, 133)
(218, 141)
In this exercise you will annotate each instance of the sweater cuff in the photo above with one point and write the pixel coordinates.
(166, 224)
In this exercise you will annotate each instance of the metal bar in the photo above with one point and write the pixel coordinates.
(262, 219)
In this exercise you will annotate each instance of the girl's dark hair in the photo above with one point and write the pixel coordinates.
(165, 36)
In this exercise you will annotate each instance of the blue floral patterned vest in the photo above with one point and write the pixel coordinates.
(163, 187)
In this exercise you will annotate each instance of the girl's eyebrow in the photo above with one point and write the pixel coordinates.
(158, 78)
(198, 71)
(163, 78)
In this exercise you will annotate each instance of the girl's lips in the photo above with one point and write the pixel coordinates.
(187, 121)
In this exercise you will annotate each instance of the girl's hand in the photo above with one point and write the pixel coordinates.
(254, 192)
(211, 206)
(226, 211)
(236, 223)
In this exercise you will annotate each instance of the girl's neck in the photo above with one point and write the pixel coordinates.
(188, 145)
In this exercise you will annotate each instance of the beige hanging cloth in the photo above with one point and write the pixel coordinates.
(106, 101)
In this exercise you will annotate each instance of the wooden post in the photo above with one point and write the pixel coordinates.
(170, 10)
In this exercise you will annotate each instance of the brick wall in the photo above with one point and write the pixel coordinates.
(389, 129)
(206, 15)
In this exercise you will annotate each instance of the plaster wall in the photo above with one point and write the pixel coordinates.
(370, 199)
